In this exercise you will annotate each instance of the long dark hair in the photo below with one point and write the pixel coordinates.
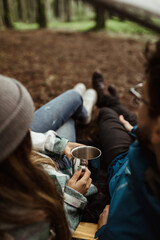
(25, 186)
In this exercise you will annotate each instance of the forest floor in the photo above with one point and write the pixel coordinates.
(49, 63)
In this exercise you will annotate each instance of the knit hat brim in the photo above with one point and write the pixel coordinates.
(16, 115)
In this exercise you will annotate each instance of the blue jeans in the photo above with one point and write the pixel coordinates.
(59, 115)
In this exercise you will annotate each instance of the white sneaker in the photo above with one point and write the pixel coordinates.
(89, 100)
(80, 88)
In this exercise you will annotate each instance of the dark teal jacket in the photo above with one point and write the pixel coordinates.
(134, 212)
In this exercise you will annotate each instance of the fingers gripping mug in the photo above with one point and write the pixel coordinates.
(85, 155)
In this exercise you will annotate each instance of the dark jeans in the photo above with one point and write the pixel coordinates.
(114, 139)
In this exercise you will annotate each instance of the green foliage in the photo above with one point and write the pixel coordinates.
(115, 25)
(25, 26)
(82, 12)
(112, 25)
(83, 17)
(72, 26)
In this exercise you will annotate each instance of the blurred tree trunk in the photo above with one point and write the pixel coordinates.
(56, 7)
(1, 14)
(100, 17)
(19, 9)
(31, 11)
(7, 14)
(26, 10)
(23, 9)
(42, 20)
(13, 10)
(67, 9)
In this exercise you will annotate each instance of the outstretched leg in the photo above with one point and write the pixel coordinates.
(67, 130)
(114, 139)
(109, 98)
(55, 113)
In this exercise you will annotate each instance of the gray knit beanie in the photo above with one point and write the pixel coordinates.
(16, 115)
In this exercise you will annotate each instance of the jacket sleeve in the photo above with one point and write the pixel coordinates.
(74, 204)
(133, 133)
(99, 232)
(48, 143)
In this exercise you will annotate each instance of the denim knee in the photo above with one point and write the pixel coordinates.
(76, 97)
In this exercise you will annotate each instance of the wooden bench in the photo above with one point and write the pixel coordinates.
(85, 231)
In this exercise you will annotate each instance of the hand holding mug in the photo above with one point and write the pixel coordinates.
(80, 184)
(69, 147)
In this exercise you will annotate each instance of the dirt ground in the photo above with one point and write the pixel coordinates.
(49, 63)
